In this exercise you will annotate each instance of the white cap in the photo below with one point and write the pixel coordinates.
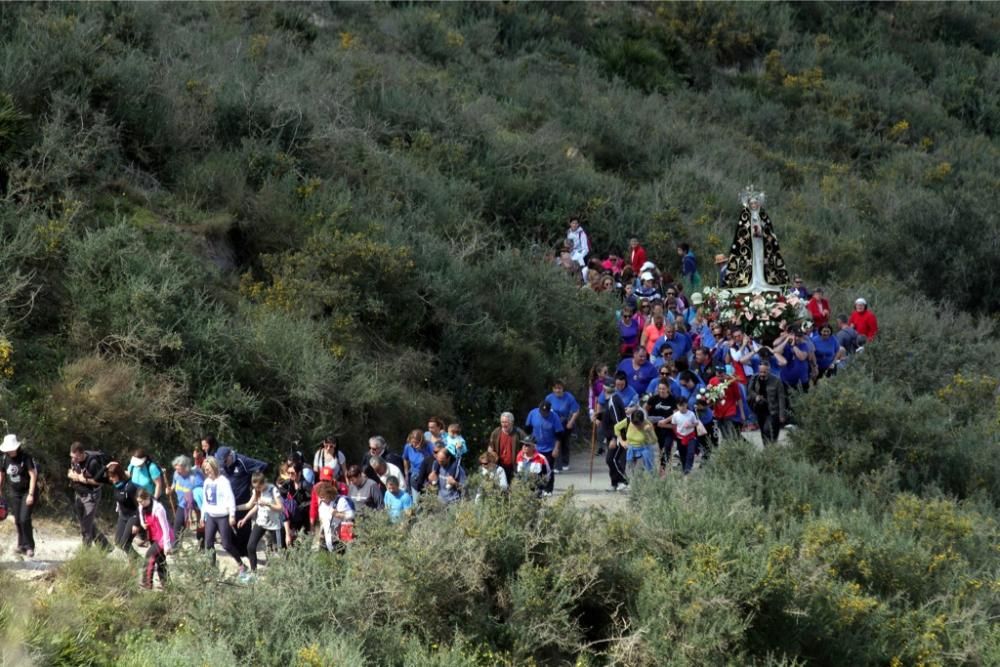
(10, 443)
(860, 300)
(646, 276)
(647, 266)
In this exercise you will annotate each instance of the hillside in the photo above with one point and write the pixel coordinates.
(275, 222)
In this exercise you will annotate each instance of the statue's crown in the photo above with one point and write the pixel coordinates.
(750, 192)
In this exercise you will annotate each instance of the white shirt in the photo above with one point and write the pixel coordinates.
(736, 354)
(330, 523)
(581, 245)
(686, 423)
(219, 500)
(497, 475)
(324, 460)
(393, 470)
(267, 517)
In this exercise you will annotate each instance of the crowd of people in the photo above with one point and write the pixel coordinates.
(682, 380)
(685, 377)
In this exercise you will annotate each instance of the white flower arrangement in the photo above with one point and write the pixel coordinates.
(762, 315)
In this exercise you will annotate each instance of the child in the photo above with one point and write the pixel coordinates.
(266, 505)
(396, 501)
(455, 442)
(532, 467)
(153, 518)
(685, 432)
(638, 435)
(336, 515)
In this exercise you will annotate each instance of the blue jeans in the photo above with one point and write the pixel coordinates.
(645, 454)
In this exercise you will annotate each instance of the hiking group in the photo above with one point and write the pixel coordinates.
(687, 374)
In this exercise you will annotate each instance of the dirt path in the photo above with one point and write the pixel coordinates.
(57, 541)
(594, 492)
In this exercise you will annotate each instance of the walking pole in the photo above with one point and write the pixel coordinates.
(593, 445)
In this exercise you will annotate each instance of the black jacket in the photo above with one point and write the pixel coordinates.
(769, 393)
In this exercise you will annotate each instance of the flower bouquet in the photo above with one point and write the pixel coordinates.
(714, 393)
(762, 315)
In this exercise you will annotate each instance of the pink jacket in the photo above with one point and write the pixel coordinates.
(154, 520)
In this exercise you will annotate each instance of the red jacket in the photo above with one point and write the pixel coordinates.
(638, 258)
(729, 406)
(314, 501)
(865, 323)
(819, 319)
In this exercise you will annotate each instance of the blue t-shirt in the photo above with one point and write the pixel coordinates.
(705, 331)
(705, 415)
(565, 406)
(689, 265)
(185, 487)
(397, 503)
(683, 393)
(826, 351)
(638, 378)
(454, 470)
(679, 343)
(543, 429)
(628, 395)
(796, 371)
(145, 476)
(416, 456)
(629, 332)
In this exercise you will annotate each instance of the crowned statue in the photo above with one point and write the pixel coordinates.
(755, 263)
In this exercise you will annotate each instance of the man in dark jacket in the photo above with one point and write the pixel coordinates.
(238, 469)
(766, 395)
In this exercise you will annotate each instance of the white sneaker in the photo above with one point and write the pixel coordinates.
(565, 468)
(623, 487)
(546, 494)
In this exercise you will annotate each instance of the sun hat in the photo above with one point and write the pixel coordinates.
(10, 443)
(697, 299)
(721, 259)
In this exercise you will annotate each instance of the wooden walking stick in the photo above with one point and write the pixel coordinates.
(593, 446)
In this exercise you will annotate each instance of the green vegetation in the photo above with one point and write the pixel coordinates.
(274, 221)
(285, 220)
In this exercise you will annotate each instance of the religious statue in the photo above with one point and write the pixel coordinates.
(755, 263)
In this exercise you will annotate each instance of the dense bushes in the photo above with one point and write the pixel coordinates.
(374, 177)
(275, 222)
(761, 559)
